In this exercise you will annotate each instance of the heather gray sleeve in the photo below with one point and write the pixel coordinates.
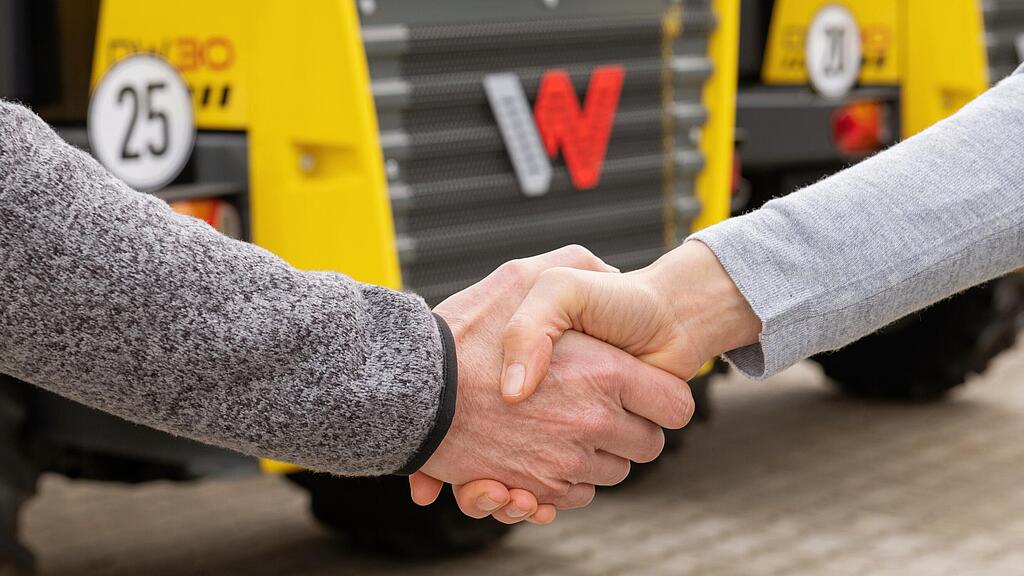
(110, 298)
(921, 221)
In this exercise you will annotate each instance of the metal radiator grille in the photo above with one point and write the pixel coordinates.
(458, 208)
(1004, 22)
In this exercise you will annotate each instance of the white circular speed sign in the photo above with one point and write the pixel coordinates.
(141, 124)
(833, 51)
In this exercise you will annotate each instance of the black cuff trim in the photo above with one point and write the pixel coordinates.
(446, 407)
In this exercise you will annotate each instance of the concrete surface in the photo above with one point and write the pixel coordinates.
(789, 478)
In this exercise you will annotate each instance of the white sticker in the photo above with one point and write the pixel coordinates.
(141, 124)
(833, 51)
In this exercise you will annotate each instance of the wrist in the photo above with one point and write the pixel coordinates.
(704, 300)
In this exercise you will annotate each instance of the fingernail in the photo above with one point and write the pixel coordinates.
(515, 375)
(515, 512)
(486, 504)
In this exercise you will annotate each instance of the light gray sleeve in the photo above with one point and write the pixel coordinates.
(110, 298)
(921, 221)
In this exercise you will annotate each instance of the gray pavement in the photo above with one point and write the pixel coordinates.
(789, 478)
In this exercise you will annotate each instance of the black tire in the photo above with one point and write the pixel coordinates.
(923, 357)
(378, 517)
(17, 475)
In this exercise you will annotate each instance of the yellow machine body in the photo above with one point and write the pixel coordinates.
(317, 192)
(934, 51)
(296, 82)
(714, 183)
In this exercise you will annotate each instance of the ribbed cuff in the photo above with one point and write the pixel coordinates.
(445, 408)
(747, 269)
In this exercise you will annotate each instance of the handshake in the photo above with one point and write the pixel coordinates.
(569, 370)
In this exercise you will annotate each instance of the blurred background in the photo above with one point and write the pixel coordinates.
(419, 149)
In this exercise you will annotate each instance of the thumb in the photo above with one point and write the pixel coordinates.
(549, 309)
(425, 489)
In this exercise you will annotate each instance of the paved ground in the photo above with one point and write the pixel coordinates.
(789, 478)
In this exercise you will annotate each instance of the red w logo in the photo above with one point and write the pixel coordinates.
(582, 135)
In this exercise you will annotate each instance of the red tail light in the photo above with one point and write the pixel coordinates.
(217, 213)
(859, 127)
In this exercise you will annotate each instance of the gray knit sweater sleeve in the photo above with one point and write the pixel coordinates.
(110, 298)
(921, 221)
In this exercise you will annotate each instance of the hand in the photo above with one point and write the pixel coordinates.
(600, 409)
(676, 314)
(482, 498)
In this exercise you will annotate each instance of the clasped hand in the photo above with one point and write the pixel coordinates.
(568, 371)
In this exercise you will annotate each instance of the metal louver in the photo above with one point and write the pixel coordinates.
(1004, 23)
(458, 208)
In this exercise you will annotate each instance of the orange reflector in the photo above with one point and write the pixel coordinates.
(859, 127)
(217, 213)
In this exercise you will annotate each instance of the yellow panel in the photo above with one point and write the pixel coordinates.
(318, 191)
(879, 24)
(718, 137)
(207, 41)
(317, 187)
(946, 64)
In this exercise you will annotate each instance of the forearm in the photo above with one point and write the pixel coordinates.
(112, 299)
(914, 224)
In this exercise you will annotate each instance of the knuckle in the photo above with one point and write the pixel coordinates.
(622, 472)
(577, 253)
(610, 371)
(582, 496)
(575, 467)
(681, 409)
(514, 269)
(517, 325)
(553, 490)
(609, 380)
(548, 486)
(557, 278)
(577, 496)
(562, 489)
(583, 258)
(653, 446)
(594, 424)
